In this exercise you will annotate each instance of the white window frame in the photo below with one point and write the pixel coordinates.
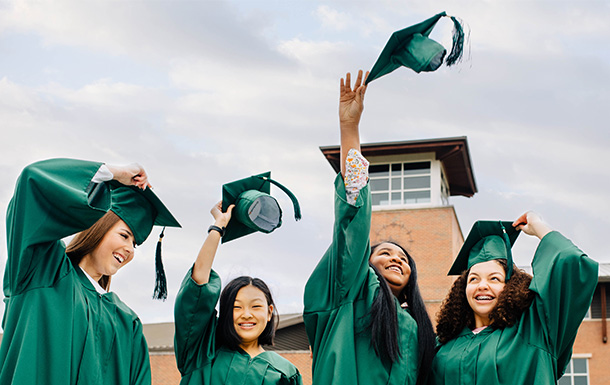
(390, 191)
(570, 370)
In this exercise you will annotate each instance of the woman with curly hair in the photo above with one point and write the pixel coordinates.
(364, 316)
(498, 324)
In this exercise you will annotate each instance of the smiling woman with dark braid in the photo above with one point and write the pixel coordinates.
(364, 316)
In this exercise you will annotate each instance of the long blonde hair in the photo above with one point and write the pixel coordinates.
(88, 240)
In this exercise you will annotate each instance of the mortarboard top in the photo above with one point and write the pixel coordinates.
(141, 210)
(255, 209)
(411, 47)
(487, 240)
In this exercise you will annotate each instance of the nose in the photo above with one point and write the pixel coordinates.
(396, 258)
(483, 284)
(247, 313)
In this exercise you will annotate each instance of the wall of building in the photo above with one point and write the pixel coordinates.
(589, 341)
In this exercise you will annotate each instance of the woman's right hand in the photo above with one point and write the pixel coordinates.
(130, 175)
(351, 101)
(221, 219)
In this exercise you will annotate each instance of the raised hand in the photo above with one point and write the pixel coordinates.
(221, 219)
(531, 223)
(351, 101)
(130, 175)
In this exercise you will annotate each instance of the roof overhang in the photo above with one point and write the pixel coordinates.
(452, 152)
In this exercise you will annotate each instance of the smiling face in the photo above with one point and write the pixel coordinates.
(114, 251)
(251, 313)
(393, 264)
(484, 283)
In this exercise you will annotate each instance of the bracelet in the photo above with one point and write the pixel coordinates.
(221, 230)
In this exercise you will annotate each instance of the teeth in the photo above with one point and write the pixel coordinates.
(484, 297)
(394, 268)
(119, 258)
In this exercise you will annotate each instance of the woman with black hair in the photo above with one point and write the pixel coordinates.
(228, 349)
(365, 318)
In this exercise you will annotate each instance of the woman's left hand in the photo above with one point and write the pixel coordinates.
(531, 223)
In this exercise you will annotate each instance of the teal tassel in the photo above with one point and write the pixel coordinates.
(160, 281)
(458, 43)
(509, 253)
(295, 202)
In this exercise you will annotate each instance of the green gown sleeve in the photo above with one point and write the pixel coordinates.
(564, 281)
(195, 323)
(53, 199)
(343, 270)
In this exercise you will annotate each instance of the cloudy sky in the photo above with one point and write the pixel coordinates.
(205, 92)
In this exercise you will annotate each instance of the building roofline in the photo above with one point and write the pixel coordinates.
(453, 152)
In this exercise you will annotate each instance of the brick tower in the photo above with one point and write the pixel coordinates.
(411, 183)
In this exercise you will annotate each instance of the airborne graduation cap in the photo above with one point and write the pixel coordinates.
(255, 209)
(411, 47)
(141, 210)
(487, 240)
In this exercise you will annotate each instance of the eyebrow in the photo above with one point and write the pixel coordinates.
(127, 231)
(388, 249)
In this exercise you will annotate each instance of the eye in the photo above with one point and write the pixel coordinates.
(405, 260)
(237, 307)
(472, 279)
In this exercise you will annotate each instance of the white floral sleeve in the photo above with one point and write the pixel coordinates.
(356, 175)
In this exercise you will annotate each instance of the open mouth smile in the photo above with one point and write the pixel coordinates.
(246, 325)
(118, 257)
(395, 268)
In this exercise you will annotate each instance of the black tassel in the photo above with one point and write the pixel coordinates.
(458, 43)
(160, 281)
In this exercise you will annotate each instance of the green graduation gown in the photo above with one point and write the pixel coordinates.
(200, 362)
(538, 347)
(338, 298)
(57, 328)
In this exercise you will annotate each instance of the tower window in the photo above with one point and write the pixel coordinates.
(400, 183)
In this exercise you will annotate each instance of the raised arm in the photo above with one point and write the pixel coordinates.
(564, 281)
(205, 258)
(351, 105)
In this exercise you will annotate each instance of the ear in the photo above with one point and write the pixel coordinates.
(270, 313)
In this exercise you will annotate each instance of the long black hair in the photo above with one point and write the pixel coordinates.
(384, 321)
(225, 333)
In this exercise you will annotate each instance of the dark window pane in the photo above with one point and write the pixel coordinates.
(379, 170)
(580, 365)
(396, 200)
(596, 304)
(580, 380)
(417, 182)
(396, 169)
(565, 380)
(379, 184)
(396, 184)
(417, 168)
(380, 199)
(417, 197)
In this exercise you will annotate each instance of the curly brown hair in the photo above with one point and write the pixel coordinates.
(455, 313)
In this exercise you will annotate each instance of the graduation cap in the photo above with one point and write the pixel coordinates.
(255, 209)
(411, 47)
(141, 210)
(487, 240)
